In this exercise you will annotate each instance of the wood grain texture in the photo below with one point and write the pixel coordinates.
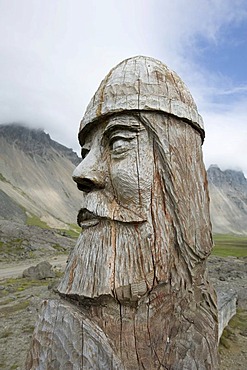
(135, 293)
(64, 338)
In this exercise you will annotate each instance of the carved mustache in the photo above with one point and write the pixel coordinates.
(92, 217)
(85, 215)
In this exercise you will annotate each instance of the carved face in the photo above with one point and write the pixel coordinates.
(116, 172)
(147, 176)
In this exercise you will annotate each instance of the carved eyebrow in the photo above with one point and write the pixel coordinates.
(114, 126)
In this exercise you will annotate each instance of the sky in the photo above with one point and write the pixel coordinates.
(54, 54)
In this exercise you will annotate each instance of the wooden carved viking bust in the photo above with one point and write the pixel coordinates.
(135, 293)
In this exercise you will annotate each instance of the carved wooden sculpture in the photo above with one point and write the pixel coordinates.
(135, 293)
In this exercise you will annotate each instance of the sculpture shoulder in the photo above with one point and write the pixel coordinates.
(64, 338)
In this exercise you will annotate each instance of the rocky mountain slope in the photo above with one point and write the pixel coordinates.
(35, 178)
(228, 200)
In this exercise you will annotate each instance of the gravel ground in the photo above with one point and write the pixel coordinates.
(20, 301)
(230, 273)
(18, 312)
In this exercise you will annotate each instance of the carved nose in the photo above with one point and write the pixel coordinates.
(89, 175)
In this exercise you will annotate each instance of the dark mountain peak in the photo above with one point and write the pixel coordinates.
(227, 178)
(215, 175)
(35, 142)
(236, 177)
(17, 131)
(212, 166)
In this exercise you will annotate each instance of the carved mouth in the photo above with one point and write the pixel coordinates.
(86, 218)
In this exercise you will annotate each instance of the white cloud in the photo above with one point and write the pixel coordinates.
(226, 138)
(53, 55)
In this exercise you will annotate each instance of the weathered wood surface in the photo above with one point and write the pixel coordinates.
(66, 339)
(136, 278)
(143, 84)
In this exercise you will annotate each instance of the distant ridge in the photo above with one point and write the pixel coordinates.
(35, 177)
(34, 141)
(228, 200)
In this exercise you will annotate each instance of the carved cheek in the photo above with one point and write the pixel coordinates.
(125, 181)
(131, 181)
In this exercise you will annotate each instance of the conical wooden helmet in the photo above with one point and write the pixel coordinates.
(142, 84)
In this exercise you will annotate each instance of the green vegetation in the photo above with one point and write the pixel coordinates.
(19, 284)
(59, 248)
(21, 248)
(73, 232)
(14, 367)
(15, 286)
(10, 310)
(230, 245)
(36, 221)
(11, 248)
(28, 329)
(7, 300)
(6, 333)
(2, 178)
(69, 233)
(75, 227)
(14, 249)
(239, 321)
(238, 324)
(59, 274)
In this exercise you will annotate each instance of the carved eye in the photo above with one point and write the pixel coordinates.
(122, 142)
(120, 145)
(84, 152)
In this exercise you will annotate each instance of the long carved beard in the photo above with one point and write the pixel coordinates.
(125, 260)
(111, 258)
